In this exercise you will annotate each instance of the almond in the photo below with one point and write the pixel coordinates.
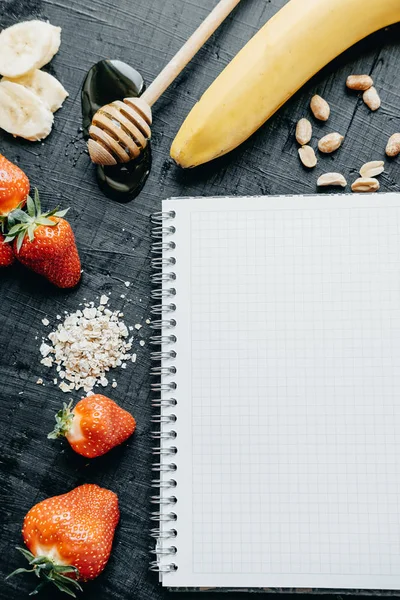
(371, 99)
(359, 82)
(393, 145)
(372, 169)
(320, 108)
(365, 184)
(307, 156)
(303, 131)
(331, 179)
(331, 142)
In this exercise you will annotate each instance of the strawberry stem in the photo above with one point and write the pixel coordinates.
(46, 570)
(22, 224)
(64, 419)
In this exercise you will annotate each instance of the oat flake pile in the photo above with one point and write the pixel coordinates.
(86, 346)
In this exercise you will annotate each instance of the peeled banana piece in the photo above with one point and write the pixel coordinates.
(50, 91)
(29, 96)
(22, 113)
(55, 42)
(295, 44)
(26, 46)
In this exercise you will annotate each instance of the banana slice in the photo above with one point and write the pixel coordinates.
(55, 42)
(22, 113)
(26, 46)
(44, 85)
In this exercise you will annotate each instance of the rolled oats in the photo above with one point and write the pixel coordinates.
(85, 346)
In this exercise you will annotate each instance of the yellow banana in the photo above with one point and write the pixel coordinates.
(295, 44)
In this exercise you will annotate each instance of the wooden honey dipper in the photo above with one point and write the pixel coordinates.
(120, 130)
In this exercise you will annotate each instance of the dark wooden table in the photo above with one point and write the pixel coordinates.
(114, 240)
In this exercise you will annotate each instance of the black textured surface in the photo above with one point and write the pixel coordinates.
(114, 240)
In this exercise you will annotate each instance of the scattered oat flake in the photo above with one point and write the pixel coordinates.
(114, 384)
(45, 322)
(40, 381)
(133, 358)
(127, 283)
(45, 349)
(47, 362)
(20, 393)
(142, 342)
(89, 313)
(148, 321)
(138, 326)
(64, 387)
(104, 299)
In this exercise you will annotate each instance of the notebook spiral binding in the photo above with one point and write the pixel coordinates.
(165, 417)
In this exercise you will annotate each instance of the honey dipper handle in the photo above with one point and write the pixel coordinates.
(188, 51)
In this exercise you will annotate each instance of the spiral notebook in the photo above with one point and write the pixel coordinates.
(278, 401)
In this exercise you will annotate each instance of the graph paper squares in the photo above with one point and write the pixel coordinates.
(295, 322)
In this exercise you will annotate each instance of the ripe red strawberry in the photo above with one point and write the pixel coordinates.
(69, 537)
(6, 253)
(95, 426)
(45, 243)
(14, 187)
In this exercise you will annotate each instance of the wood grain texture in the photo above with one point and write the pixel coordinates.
(114, 239)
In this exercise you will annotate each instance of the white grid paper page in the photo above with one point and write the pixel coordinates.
(291, 368)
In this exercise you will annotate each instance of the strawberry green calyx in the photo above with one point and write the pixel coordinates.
(64, 419)
(22, 224)
(3, 223)
(4, 219)
(49, 572)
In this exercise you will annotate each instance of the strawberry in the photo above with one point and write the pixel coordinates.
(69, 537)
(14, 187)
(45, 243)
(6, 253)
(95, 426)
